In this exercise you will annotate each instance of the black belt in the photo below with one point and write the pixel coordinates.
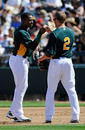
(60, 57)
(56, 58)
(22, 56)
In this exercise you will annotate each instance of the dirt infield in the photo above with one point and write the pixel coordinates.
(37, 114)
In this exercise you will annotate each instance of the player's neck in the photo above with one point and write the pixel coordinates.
(61, 25)
(24, 26)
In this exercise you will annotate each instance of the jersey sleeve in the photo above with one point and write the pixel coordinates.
(28, 43)
(49, 50)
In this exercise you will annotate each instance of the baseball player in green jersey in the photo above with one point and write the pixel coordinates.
(59, 50)
(23, 48)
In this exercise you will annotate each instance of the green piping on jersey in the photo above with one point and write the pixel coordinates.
(22, 50)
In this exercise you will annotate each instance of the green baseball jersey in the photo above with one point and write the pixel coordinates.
(23, 45)
(60, 43)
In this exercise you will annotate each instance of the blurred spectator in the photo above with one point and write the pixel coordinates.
(7, 41)
(14, 5)
(4, 1)
(0, 4)
(1, 10)
(50, 5)
(82, 42)
(17, 21)
(44, 15)
(31, 6)
(4, 43)
(78, 7)
(2, 50)
(39, 22)
(50, 22)
(81, 49)
(1, 33)
(70, 22)
(65, 6)
(37, 25)
(11, 32)
(24, 3)
(10, 38)
(2, 18)
(74, 14)
(54, 3)
(7, 16)
(84, 5)
(12, 20)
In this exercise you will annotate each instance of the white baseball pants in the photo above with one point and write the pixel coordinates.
(19, 67)
(61, 69)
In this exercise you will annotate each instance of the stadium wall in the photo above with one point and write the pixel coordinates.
(38, 82)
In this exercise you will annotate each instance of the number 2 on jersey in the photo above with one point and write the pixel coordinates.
(67, 41)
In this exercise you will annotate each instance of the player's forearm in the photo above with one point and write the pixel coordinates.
(38, 37)
(36, 41)
(33, 44)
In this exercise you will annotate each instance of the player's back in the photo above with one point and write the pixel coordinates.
(64, 41)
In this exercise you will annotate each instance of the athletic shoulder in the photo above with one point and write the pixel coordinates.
(70, 30)
(21, 32)
(54, 33)
(59, 32)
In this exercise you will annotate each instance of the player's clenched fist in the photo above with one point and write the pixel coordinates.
(42, 30)
(48, 29)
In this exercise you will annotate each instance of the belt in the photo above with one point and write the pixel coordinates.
(61, 57)
(56, 58)
(22, 56)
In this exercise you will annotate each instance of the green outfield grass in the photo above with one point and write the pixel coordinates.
(44, 127)
(38, 104)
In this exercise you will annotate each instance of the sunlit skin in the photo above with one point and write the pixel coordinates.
(28, 22)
